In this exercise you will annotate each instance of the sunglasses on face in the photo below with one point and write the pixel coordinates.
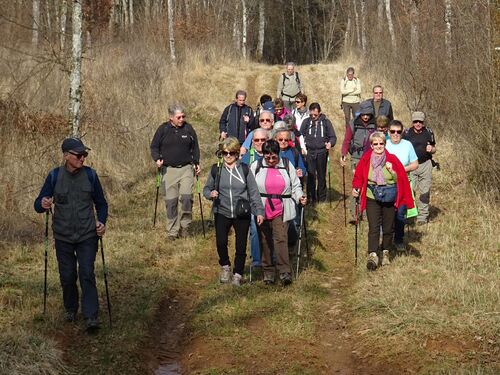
(259, 140)
(282, 139)
(378, 144)
(79, 156)
(378, 93)
(418, 122)
(298, 101)
(265, 120)
(180, 117)
(228, 153)
(395, 131)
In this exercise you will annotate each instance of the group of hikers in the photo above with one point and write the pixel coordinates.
(267, 157)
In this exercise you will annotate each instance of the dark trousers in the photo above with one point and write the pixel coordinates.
(399, 224)
(316, 170)
(273, 240)
(379, 214)
(222, 226)
(68, 255)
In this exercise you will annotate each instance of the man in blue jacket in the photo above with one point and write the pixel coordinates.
(237, 120)
(75, 190)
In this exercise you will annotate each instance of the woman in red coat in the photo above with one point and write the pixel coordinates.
(380, 182)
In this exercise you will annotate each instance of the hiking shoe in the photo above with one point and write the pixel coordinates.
(400, 247)
(171, 237)
(91, 325)
(286, 278)
(70, 316)
(268, 278)
(372, 262)
(421, 222)
(385, 258)
(184, 233)
(237, 279)
(225, 275)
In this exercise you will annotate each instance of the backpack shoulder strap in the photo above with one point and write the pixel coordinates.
(53, 176)
(297, 79)
(295, 156)
(245, 168)
(259, 166)
(213, 171)
(228, 113)
(91, 174)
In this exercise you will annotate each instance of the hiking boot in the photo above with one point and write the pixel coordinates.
(184, 233)
(237, 279)
(372, 262)
(385, 258)
(70, 316)
(171, 237)
(268, 277)
(225, 275)
(286, 278)
(400, 247)
(91, 325)
(421, 222)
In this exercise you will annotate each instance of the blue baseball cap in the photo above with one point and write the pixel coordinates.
(74, 144)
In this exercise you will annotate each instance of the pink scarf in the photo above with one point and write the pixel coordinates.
(378, 163)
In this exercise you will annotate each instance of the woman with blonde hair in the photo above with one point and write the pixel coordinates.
(380, 182)
(235, 194)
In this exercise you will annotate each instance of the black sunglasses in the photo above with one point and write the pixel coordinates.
(395, 131)
(79, 156)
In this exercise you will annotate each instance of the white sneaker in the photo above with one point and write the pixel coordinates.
(237, 279)
(225, 274)
(385, 258)
(372, 262)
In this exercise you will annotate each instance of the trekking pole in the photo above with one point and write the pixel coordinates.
(300, 241)
(158, 182)
(106, 282)
(46, 260)
(201, 206)
(308, 253)
(343, 185)
(329, 182)
(356, 233)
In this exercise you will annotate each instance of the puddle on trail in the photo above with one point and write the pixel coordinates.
(169, 369)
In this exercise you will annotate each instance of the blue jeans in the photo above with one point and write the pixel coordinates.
(399, 224)
(254, 242)
(68, 255)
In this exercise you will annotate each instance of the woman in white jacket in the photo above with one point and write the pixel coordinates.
(279, 189)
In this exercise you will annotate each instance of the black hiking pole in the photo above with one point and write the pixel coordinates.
(201, 206)
(345, 197)
(158, 182)
(329, 182)
(356, 233)
(106, 282)
(301, 225)
(46, 260)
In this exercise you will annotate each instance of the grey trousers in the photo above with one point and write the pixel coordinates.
(178, 188)
(422, 181)
(349, 108)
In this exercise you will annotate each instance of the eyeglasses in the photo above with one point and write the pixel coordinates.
(418, 122)
(278, 108)
(228, 153)
(282, 139)
(271, 156)
(378, 93)
(378, 144)
(79, 156)
(395, 131)
(180, 117)
(265, 120)
(298, 101)
(259, 139)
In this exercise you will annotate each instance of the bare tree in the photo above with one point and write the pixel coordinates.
(62, 25)
(363, 26)
(244, 26)
(131, 12)
(380, 15)
(390, 26)
(356, 20)
(75, 92)
(447, 34)
(414, 21)
(171, 37)
(262, 26)
(36, 22)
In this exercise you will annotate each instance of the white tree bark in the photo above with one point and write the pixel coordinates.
(447, 35)
(363, 26)
(47, 15)
(236, 28)
(147, 9)
(356, 20)
(125, 13)
(390, 26)
(62, 25)
(262, 27)
(131, 12)
(36, 22)
(171, 38)
(347, 34)
(414, 38)
(380, 14)
(75, 91)
(244, 29)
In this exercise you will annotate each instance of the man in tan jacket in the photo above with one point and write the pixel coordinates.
(350, 88)
(289, 86)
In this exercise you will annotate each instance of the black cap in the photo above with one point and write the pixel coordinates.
(74, 144)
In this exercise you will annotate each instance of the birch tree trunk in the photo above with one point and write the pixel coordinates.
(236, 28)
(244, 29)
(36, 22)
(125, 13)
(131, 12)
(147, 10)
(47, 15)
(347, 35)
(62, 26)
(262, 27)
(75, 91)
(356, 20)
(390, 26)
(171, 38)
(414, 21)
(363, 26)
(447, 34)
(380, 14)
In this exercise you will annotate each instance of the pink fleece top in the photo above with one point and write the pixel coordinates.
(275, 184)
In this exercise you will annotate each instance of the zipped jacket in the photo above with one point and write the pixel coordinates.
(231, 121)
